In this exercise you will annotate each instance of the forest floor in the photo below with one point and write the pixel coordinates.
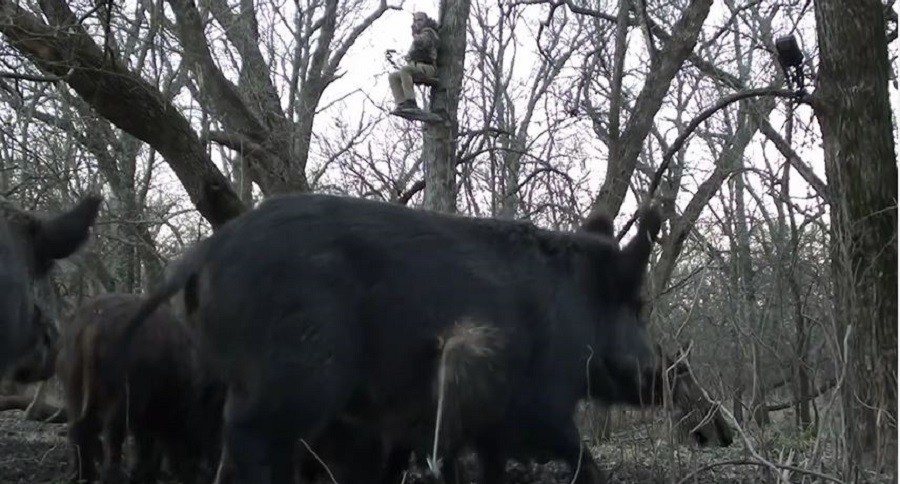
(34, 452)
(31, 451)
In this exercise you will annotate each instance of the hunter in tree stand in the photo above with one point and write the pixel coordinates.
(420, 67)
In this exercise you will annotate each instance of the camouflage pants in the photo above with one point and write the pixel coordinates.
(402, 80)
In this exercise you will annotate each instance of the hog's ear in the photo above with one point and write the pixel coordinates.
(636, 254)
(598, 223)
(61, 236)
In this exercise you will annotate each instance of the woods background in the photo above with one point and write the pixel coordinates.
(777, 265)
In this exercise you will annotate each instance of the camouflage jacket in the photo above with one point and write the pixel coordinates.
(424, 47)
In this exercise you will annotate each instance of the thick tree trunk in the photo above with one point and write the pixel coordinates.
(854, 113)
(439, 146)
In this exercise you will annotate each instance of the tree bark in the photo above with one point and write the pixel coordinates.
(861, 165)
(224, 99)
(439, 146)
(737, 403)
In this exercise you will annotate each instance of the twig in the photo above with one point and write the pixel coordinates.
(587, 371)
(759, 459)
(320, 461)
(676, 145)
(757, 463)
(35, 77)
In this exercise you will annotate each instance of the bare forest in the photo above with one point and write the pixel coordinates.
(774, 275)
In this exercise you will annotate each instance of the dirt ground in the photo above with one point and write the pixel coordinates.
(30, 452)
(33, 452)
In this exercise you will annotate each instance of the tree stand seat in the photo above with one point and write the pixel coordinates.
(426, 81)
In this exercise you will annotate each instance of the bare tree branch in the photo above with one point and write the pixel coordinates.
(33, 77)
(692, 126)
(623, 161)
(126, 100)
(794, 159)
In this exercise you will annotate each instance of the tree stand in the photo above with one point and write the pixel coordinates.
(423, 114)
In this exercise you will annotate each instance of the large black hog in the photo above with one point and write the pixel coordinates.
(473, 379)
(28, 247)
(160, 394)
(316, 307)
(38, 362)
(470, 373)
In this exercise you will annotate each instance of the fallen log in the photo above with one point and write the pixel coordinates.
(35, 404)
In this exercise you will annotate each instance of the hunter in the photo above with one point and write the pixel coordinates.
(420, 63)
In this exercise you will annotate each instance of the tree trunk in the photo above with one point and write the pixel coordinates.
(854, 114)
(512, 165)
(751, 317)
(789, 244)
(439, 146)
(758, 398)
(801, 373)
(737, 403)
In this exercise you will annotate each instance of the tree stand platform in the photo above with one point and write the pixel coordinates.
(422, 114)
(419, 115)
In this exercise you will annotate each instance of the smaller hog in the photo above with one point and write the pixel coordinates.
(172, 404)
